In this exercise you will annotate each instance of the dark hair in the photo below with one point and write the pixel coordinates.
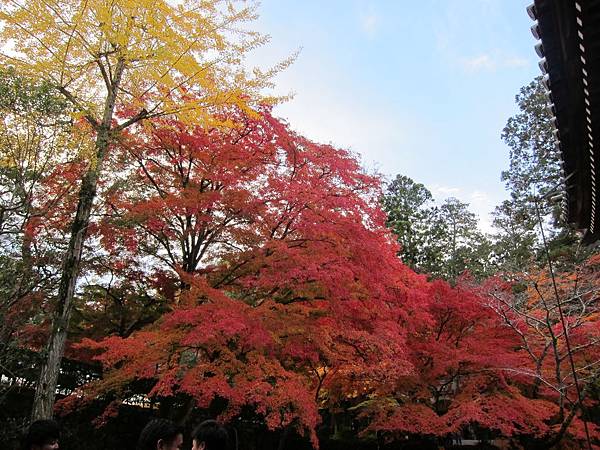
(156, 430)
(212, 433)
(39, 433)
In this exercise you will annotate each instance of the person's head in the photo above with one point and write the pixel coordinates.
(209, 435)
(160, 434)
(41, 435)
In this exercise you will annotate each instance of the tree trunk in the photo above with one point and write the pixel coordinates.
(45, 391)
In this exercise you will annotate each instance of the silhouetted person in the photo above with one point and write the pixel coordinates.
(160, 434)
(209, 435)
(41, 435)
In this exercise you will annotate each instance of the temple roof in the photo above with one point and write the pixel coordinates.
(569, 48)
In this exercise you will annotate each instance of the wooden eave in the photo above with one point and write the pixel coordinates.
(569, 48)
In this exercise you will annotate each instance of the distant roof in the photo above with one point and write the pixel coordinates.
(569, 31)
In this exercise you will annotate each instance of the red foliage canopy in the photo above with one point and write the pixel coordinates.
(279, 290)
(281, 277)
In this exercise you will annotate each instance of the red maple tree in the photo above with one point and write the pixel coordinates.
(458, 381)
(272, 256)
(249, 269)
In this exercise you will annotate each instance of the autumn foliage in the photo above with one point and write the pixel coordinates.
(247, 271)
(262, 245)
(191, 255)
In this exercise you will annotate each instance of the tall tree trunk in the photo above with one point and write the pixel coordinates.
(45, 390)
(43, 402)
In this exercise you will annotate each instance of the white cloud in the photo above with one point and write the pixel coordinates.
(440, 193)
(347, 123)
(481, 203)
(516, 61)
(369, 23)
(491, 62)
(479, 63)
(479, 196)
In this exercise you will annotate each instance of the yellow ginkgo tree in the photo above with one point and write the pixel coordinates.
(148, 57)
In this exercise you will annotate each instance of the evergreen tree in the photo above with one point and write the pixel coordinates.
(462, 245)
(441, 241)
(533, 181)
(410, 210)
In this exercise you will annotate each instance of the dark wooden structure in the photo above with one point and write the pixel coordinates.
(569, 48)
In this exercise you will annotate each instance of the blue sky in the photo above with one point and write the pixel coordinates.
(422, 88)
